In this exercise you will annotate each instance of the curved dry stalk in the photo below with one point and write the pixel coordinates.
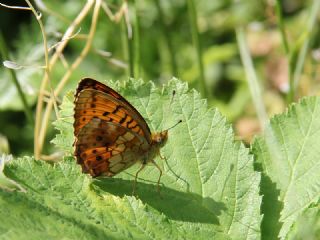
(38, 141)
(67, 75)
(41, 5)
(47, 72)
(16, 7)
(64, 39)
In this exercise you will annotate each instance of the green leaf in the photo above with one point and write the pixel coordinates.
(288, 154)
(307, 225)
(60, 203)
(7, 183)
(208, 190)
(64, 139)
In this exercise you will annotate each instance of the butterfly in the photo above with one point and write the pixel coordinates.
(110, 134)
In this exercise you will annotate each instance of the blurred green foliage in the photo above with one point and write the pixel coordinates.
(165, 49)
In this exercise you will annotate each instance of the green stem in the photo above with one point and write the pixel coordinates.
(304, 49)
(291, 65)
(128, 48)
(4, 53)
(167, 37)
(286, 47)
(251, 76)
(136, 42)
(196, 41)
(281, 26)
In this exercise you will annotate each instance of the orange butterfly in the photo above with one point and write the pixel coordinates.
(110, 134)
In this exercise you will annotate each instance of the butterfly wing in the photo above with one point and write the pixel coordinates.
(94, 99)
(110, 134)
(106, 148)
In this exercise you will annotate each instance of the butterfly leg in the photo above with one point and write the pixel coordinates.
(158, 184)
(136, 178)
(162, 157)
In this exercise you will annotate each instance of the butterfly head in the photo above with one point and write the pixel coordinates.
(159, 139)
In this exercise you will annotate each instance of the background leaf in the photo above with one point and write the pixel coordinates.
(289, 156)
(307, 225)
(209, 188)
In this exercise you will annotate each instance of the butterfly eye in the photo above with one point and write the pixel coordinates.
(159, 139)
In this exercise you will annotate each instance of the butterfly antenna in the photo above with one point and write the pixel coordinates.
(180, 121)
(171, 100)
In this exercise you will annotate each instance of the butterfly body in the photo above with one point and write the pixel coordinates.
(110, 134)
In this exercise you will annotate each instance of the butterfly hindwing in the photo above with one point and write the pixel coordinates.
(106, 148)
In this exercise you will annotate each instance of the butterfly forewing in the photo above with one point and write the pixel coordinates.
(94, 99)
(93, 103)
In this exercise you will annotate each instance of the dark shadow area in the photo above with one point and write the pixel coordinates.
(17, 131)
(12, 20)
(188, 207)
(270, 208)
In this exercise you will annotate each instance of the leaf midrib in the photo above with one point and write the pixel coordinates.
(296, 160)
(192, 142)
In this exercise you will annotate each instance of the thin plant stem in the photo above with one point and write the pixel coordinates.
(26, 107)
(291, 66)
(75, 64)
(196, 41)
(286, 47)
(15, 7)
(47, 73)
(136, 41)
(125, 48)
(304, 49)
(282, 27)
(168, 40)
(251, 76)
(40, 4)
(53, 60)
(128, 42)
